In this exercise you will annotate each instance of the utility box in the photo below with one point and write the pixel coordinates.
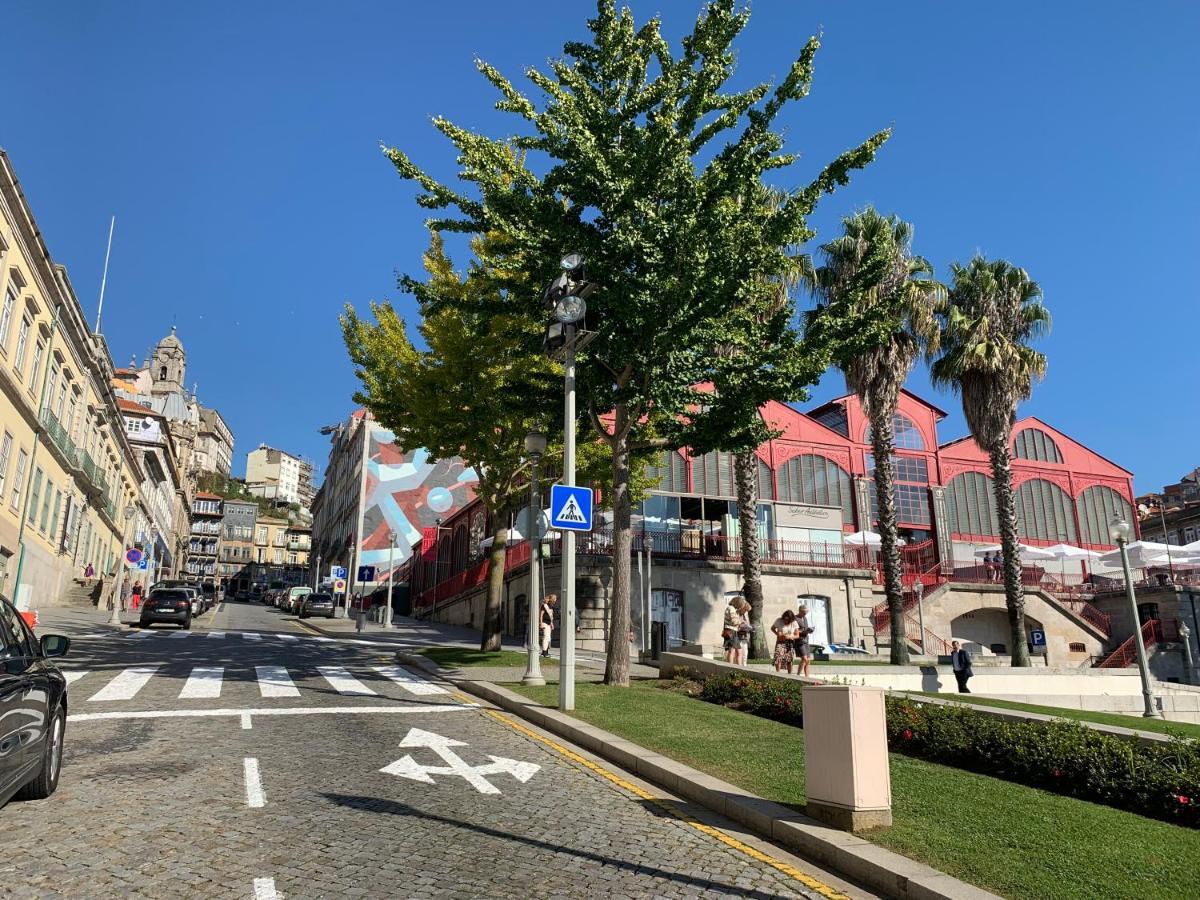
(847, 780)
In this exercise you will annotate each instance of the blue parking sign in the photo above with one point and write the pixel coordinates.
(570, 508)
(1037, 637)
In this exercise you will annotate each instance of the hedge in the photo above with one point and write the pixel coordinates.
(1161, 780)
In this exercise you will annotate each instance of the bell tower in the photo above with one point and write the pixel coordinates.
(168, 366)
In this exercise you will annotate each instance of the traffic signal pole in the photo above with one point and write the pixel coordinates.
(566, 638)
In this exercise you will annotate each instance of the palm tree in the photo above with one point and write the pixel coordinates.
(993, 311)
(871, 278)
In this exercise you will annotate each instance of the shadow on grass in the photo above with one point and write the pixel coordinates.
(468, 658)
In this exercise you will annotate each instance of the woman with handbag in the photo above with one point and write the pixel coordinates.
(729, 630)
(803, 648)
(786, 630)
(742, 635)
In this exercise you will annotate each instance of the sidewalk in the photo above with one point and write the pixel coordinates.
(78, 620)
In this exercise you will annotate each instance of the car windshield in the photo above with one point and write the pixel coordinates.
(319, 598)
(169, 595)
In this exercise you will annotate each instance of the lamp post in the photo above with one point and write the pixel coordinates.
(535, 447)
(566, 298)
(1120, 530)
(387, 610)
(115, 618)
(1185, 635)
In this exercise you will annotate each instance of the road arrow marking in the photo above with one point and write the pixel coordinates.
(407, 767)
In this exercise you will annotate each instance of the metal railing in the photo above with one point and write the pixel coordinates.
(1154, 631)
(59, 436)
(693, 544)
(92, 471)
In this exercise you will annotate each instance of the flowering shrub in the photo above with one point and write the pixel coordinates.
(1160, 779)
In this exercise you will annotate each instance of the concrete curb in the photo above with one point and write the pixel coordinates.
(855, 857)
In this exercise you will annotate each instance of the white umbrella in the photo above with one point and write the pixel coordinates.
(867, 539)
(1143, 553)
(1063, 552)
(1026, 553)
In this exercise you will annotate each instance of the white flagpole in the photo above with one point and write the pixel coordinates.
(104, 278)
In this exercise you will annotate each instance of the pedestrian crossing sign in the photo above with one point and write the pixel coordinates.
(570, 508)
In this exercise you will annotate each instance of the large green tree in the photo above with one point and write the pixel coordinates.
(870, 273)
(475, 390)
(993, 312)
(644, 155)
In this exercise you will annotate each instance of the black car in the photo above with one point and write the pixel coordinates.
(316, 605)
(33, 709)
(171, 605)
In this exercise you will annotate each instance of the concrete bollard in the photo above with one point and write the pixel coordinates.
(847, 780)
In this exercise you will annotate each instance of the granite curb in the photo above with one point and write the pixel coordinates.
(848, 854)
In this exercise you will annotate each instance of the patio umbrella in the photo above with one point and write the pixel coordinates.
(1026, 553)
(1144, 553)
(1063, 552)
(866, 539)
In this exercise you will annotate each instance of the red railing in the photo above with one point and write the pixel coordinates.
(1154, 632)
(1086, 611)
(695, 545)
(931, 644)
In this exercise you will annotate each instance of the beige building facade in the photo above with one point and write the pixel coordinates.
(67, 473)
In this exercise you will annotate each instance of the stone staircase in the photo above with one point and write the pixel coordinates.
(80, 592)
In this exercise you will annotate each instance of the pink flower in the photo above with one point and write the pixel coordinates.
(907, 734)
(1184, 801)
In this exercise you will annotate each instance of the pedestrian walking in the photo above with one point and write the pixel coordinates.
(802, 647)
(546, 622)
(136, 594)
(960, 660)
(786, 631)
(742, 636)
(729, 629)
(89, 571)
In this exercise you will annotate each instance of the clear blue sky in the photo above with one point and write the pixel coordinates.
(238, 146)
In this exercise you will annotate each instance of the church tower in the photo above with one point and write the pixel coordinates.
(168, 366)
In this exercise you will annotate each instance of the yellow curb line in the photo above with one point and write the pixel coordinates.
(791, 871)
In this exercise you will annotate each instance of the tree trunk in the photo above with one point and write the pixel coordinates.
(493, 627)
(745, 469)
(616, 667)
(882, 446)
(1006, 514)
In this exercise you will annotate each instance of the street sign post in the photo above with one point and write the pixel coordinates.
(571, 507)
(339, 585)
(133, 556)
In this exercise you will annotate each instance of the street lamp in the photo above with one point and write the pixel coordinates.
(115, 618)
(535, 448)
(387, 610)
(1119, 530)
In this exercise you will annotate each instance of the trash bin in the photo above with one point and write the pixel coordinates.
(658, 639)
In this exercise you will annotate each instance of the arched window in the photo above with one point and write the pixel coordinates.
(766, 490)
(970, 503)
(1097, 506)
(671, 472)
(905, 434)
(1045, 512)
(162, 374)
(817, 480)
(712, 475)
(1035, 444)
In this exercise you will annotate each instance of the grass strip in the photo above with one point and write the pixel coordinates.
(468, 658)
(1160, 726)
(1016, 841)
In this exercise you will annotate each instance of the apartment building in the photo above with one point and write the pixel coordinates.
(68, 476)
(204, 544)
(278, 475)
(237, 545)
(161, 489)
(214, 443)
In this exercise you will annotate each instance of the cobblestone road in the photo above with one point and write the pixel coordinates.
(222, 765)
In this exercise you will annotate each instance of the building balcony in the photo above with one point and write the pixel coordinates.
(299, 545)
(92, 473)
(58, 435)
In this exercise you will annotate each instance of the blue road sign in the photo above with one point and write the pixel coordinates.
(366, 573)
(571, 508)
(337, 572)
(1037, 637)
(143, 563)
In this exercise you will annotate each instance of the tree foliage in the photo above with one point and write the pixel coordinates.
(648, 156)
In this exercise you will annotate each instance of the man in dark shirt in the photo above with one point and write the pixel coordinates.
(960, 660)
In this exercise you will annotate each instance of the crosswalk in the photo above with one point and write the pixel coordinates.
(178, 635)
(208, 682)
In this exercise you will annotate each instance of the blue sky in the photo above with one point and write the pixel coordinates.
(238, 146)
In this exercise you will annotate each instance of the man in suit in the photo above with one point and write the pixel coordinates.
(960, 660)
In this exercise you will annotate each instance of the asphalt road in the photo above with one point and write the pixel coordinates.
(250, 758)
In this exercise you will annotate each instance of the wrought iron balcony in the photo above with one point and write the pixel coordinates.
(59, 436)
(92, 472)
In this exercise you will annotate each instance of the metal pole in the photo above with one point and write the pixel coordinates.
(387, 612)
(1166, 539)
(921, 616)
(352, 575)
(104, 277)
(1150, 712)
(641, 560)
(566, 641)
(533, 668)
(648, 599)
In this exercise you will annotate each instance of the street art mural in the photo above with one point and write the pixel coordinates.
(405, 493)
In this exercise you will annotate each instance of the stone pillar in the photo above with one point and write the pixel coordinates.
(941, 527)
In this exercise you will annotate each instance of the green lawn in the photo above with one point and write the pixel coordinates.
(467, 658)
(1182, 729)
(1015, 841)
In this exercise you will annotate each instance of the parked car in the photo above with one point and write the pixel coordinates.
(196, 599)
(33, 709)
(316, 605)
(170, 605)
(295, 597)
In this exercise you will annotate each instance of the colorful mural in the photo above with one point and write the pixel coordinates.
(407, 492)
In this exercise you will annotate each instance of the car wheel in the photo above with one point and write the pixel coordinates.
(47, 778)
(187, 625)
